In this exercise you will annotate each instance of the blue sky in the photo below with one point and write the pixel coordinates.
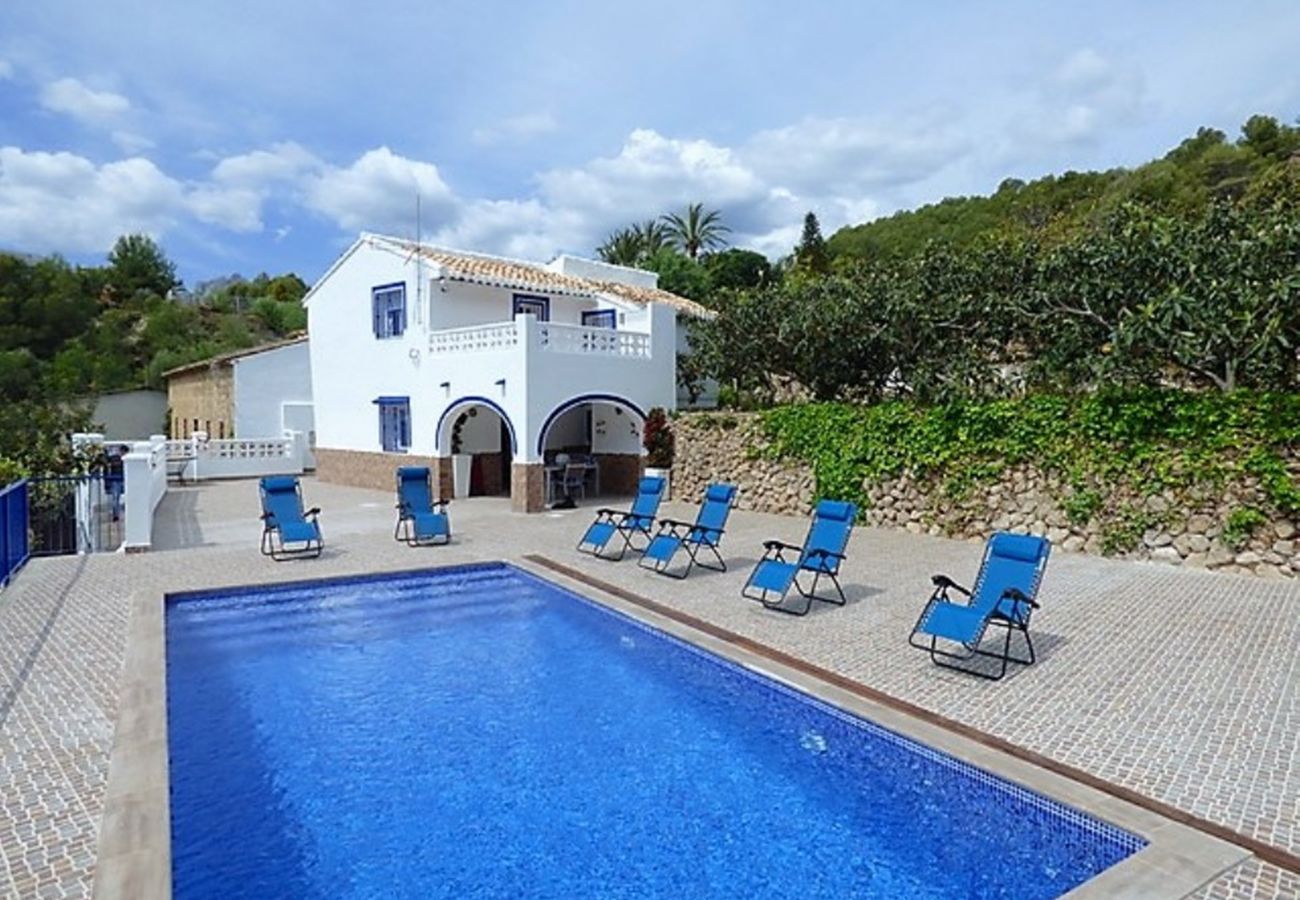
(251, 136)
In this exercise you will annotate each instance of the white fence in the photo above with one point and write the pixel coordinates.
(198, 458)
(144, 480)
(556, 338)
(551, 338)
(497, 336)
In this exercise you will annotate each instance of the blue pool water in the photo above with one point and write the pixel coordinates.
(479, 732)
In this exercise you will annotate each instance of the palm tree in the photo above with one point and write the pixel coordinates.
(654, 234)
(697, 230)
(621, 248)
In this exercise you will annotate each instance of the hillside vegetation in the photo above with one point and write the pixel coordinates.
(1204, 168)
(68, 333)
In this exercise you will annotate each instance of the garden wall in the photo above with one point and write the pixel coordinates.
(1199, 526)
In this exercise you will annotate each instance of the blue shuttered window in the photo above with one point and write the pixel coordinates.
(388, 309)
(394, 423)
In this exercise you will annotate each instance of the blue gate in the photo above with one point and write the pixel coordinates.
(13, 529)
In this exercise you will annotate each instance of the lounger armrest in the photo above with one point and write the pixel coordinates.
(780, 545)
(675, 523)
(442, 503)
(606, 511)
(944, 583)
(314, 511)
(820, 553)
(1016, 595)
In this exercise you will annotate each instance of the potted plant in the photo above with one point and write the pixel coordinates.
(658, 440)
(461, 463)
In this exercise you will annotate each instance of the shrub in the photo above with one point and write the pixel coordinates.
(1241, 524)
(658, 439)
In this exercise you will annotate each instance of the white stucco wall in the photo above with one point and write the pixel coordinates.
(351, 368)
(264, 383)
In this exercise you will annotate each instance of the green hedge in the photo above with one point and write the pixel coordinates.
(1147, 440)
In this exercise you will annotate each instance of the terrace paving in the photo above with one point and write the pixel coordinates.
(1181, 685)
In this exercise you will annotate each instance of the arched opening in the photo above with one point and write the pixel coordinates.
(592, 443)
(476, 436)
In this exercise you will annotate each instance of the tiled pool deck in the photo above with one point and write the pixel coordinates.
(1183, 686)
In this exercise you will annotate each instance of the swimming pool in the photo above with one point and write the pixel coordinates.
(478, 731)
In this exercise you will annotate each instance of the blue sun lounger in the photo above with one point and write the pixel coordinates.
(821, 554)
(704, 534)
(284, 522)
(615, 525)
(1003, 595)
(421, 520)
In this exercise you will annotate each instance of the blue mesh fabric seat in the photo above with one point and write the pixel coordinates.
(705, 533)
(821, 555)
(616, 527)
(421, 520)
(1004, 595)
(285, 523)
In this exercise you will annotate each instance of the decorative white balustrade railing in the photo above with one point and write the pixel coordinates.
(198, 457)
(551, 338)
(497, 336)
(557, 338)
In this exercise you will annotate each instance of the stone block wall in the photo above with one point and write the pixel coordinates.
(1186, 528)
(723, 447)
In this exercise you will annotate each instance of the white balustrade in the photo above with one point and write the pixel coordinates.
(479, 338)
(556, 338)
(551, 338)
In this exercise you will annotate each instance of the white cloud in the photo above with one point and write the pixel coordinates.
(1083, 97)
(61, 202)
(378, 192)
(517, 128)
(6, 69)
(73, 98)
(130, 142)
(285, 162)
(236, 209)
(851, 156)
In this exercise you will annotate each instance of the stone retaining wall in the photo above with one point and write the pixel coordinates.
(1180, 529)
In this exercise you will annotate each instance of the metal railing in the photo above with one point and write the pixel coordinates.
(75, 514)
(14, 548)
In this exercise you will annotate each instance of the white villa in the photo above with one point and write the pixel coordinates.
(421, 354)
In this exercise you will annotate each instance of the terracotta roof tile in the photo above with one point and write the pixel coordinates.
(500, 271)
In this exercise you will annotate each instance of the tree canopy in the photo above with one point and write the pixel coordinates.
(68, 333)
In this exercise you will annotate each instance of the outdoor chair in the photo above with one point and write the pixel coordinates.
(574, 478)
(284, 523)
(1004, 596)
(421, 520)
(821, 555)
(704, 534)
(619, 527)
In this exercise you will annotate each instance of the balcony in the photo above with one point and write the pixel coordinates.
(545, 337)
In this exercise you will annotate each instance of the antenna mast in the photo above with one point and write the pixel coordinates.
(419, 265)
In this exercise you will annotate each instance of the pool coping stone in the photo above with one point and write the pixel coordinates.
(134, 858)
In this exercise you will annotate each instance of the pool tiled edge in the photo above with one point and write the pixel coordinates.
(134, 843)
(134, 858)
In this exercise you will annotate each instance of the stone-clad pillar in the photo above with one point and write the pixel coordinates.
(527, 487)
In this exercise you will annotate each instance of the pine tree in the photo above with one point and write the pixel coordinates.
(810, 253)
